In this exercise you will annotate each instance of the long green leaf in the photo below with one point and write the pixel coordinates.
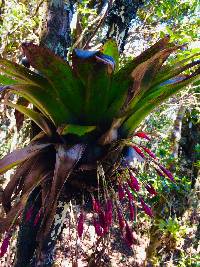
(95, 78)
(5, 80)
(153, 100)
(76, 129)
(137, 83)
(58, 73)
(122, 79)
(20, 73)
(46, 102)
(38, 118)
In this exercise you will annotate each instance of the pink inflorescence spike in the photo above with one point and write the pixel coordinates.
(167, 173)
(129, 238)
(96, 205)
(133, 182)
(130, 196)
(4, 245)
(121, 193)
(142, 135)
(138, 150)
(148, 151)
(98, 229)
(146, 208)
(80, 224)
(151, 189)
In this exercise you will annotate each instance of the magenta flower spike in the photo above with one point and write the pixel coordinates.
(151, 189)
(108, 212)
(133, 183)
(80, 224)
(159, 173)
(98, 229)
(146, 208)
(138, 150)
(129, 236)
(131, 210)
(96, 205)
(167, 173)
(121, 193)
(142, 135)
(130, 196)
(148, 151)
(4, 245)
(29, 214)
(120, 219)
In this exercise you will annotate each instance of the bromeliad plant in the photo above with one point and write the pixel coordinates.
(88, 112)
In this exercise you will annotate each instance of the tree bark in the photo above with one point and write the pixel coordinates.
(119, 19)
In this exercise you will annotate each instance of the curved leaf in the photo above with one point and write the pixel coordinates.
(147, 104)
(58, 73)
(45, 101)
(38, 118)
(95, 76)
(19, 155)
(76, 129)
(20, 73)
(66, 159)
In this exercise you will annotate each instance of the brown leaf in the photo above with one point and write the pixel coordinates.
(66, 159)
(13, 184)
(20, 155)
(19, 117)
(145, 72)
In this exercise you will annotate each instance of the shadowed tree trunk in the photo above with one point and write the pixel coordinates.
(55, 34)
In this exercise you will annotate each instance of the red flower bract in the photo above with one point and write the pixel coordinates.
(80, 224)
(148, 151)
(130, 196)
(142, 135)
(129, 236)
(167, 173)
(120, 219)
(96, 205)
(98, 229)
(139, 151)
(4, 245)
(108, 212)
(146, 208)
(121, 193)
(151, 189)
(133, 183)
